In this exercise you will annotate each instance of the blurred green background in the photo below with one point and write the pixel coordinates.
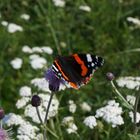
(103, 31)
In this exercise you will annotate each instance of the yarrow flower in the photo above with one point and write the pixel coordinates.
(90, 121)
(43, 49)
(133, 20)
(131, 99)
(59, 3)
(131, 115)
(85, 8)
(16, 63)
(129, 82)
(37, 62)
(25, 16)
(68, 122)
(12, 28)
(72, 106)
(111, 113)
(85, 107)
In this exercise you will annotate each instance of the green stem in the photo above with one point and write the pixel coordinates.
(135, 114)
(121, 97)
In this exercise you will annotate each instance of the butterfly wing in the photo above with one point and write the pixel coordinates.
(76, 69)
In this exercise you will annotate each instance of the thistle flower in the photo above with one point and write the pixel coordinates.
(54, 82)
(4, 134)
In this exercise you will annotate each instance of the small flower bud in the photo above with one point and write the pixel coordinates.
(36, 101)
(110, 76)
(2, 114)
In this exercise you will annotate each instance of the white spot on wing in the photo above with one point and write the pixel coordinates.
(89, 58)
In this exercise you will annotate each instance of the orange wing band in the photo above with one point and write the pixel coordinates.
(83, 67)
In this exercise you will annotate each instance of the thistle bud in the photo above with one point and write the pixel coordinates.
(2, 114)
(110, 76)
(36, 101)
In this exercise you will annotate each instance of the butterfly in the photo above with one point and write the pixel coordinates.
(77, 69)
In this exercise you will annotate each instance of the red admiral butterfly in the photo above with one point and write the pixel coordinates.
(76, 70)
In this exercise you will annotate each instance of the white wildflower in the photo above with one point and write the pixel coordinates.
(25, 91)
(34, 56)
(25, 16)
(12, 28)
(4, 23)
(37, 50)
(41, 84)
(23, 137)
(131, 99)
(47, 49)
(22, 102)
(72, 129)
(37, 62)
(53, 110)
(133, 20)
(27, 130)
(26, 49)
(30, 111)
(111, 113)
(131, 114)
(68, 122)
(14, 120)
(85, 8)
(16, 63)
(72, 106)
(59, 3)
(129, 82)
(90, 121)
(85, 107)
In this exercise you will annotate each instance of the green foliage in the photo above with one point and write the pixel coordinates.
(103, 31)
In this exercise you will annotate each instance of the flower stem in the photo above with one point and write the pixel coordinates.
(121, 97)
(38, 113)
(135, 113)
(46, 116)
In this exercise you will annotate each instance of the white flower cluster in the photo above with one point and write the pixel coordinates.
(133, 20)
(85, 8)
(85, 107)
(72, 106)
(41, 49)
(16, 63)
(43, 85)
(12, 27)
(131, 99)
(26, 130)
(68, 122)
(90, 121)
(30, 111)
(59, 3)
(131, 114)
(37, 62)
(25, 16)
(111, 113)
(129, 82)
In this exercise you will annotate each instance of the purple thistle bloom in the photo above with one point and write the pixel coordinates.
(54, 81)
(3, 134)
